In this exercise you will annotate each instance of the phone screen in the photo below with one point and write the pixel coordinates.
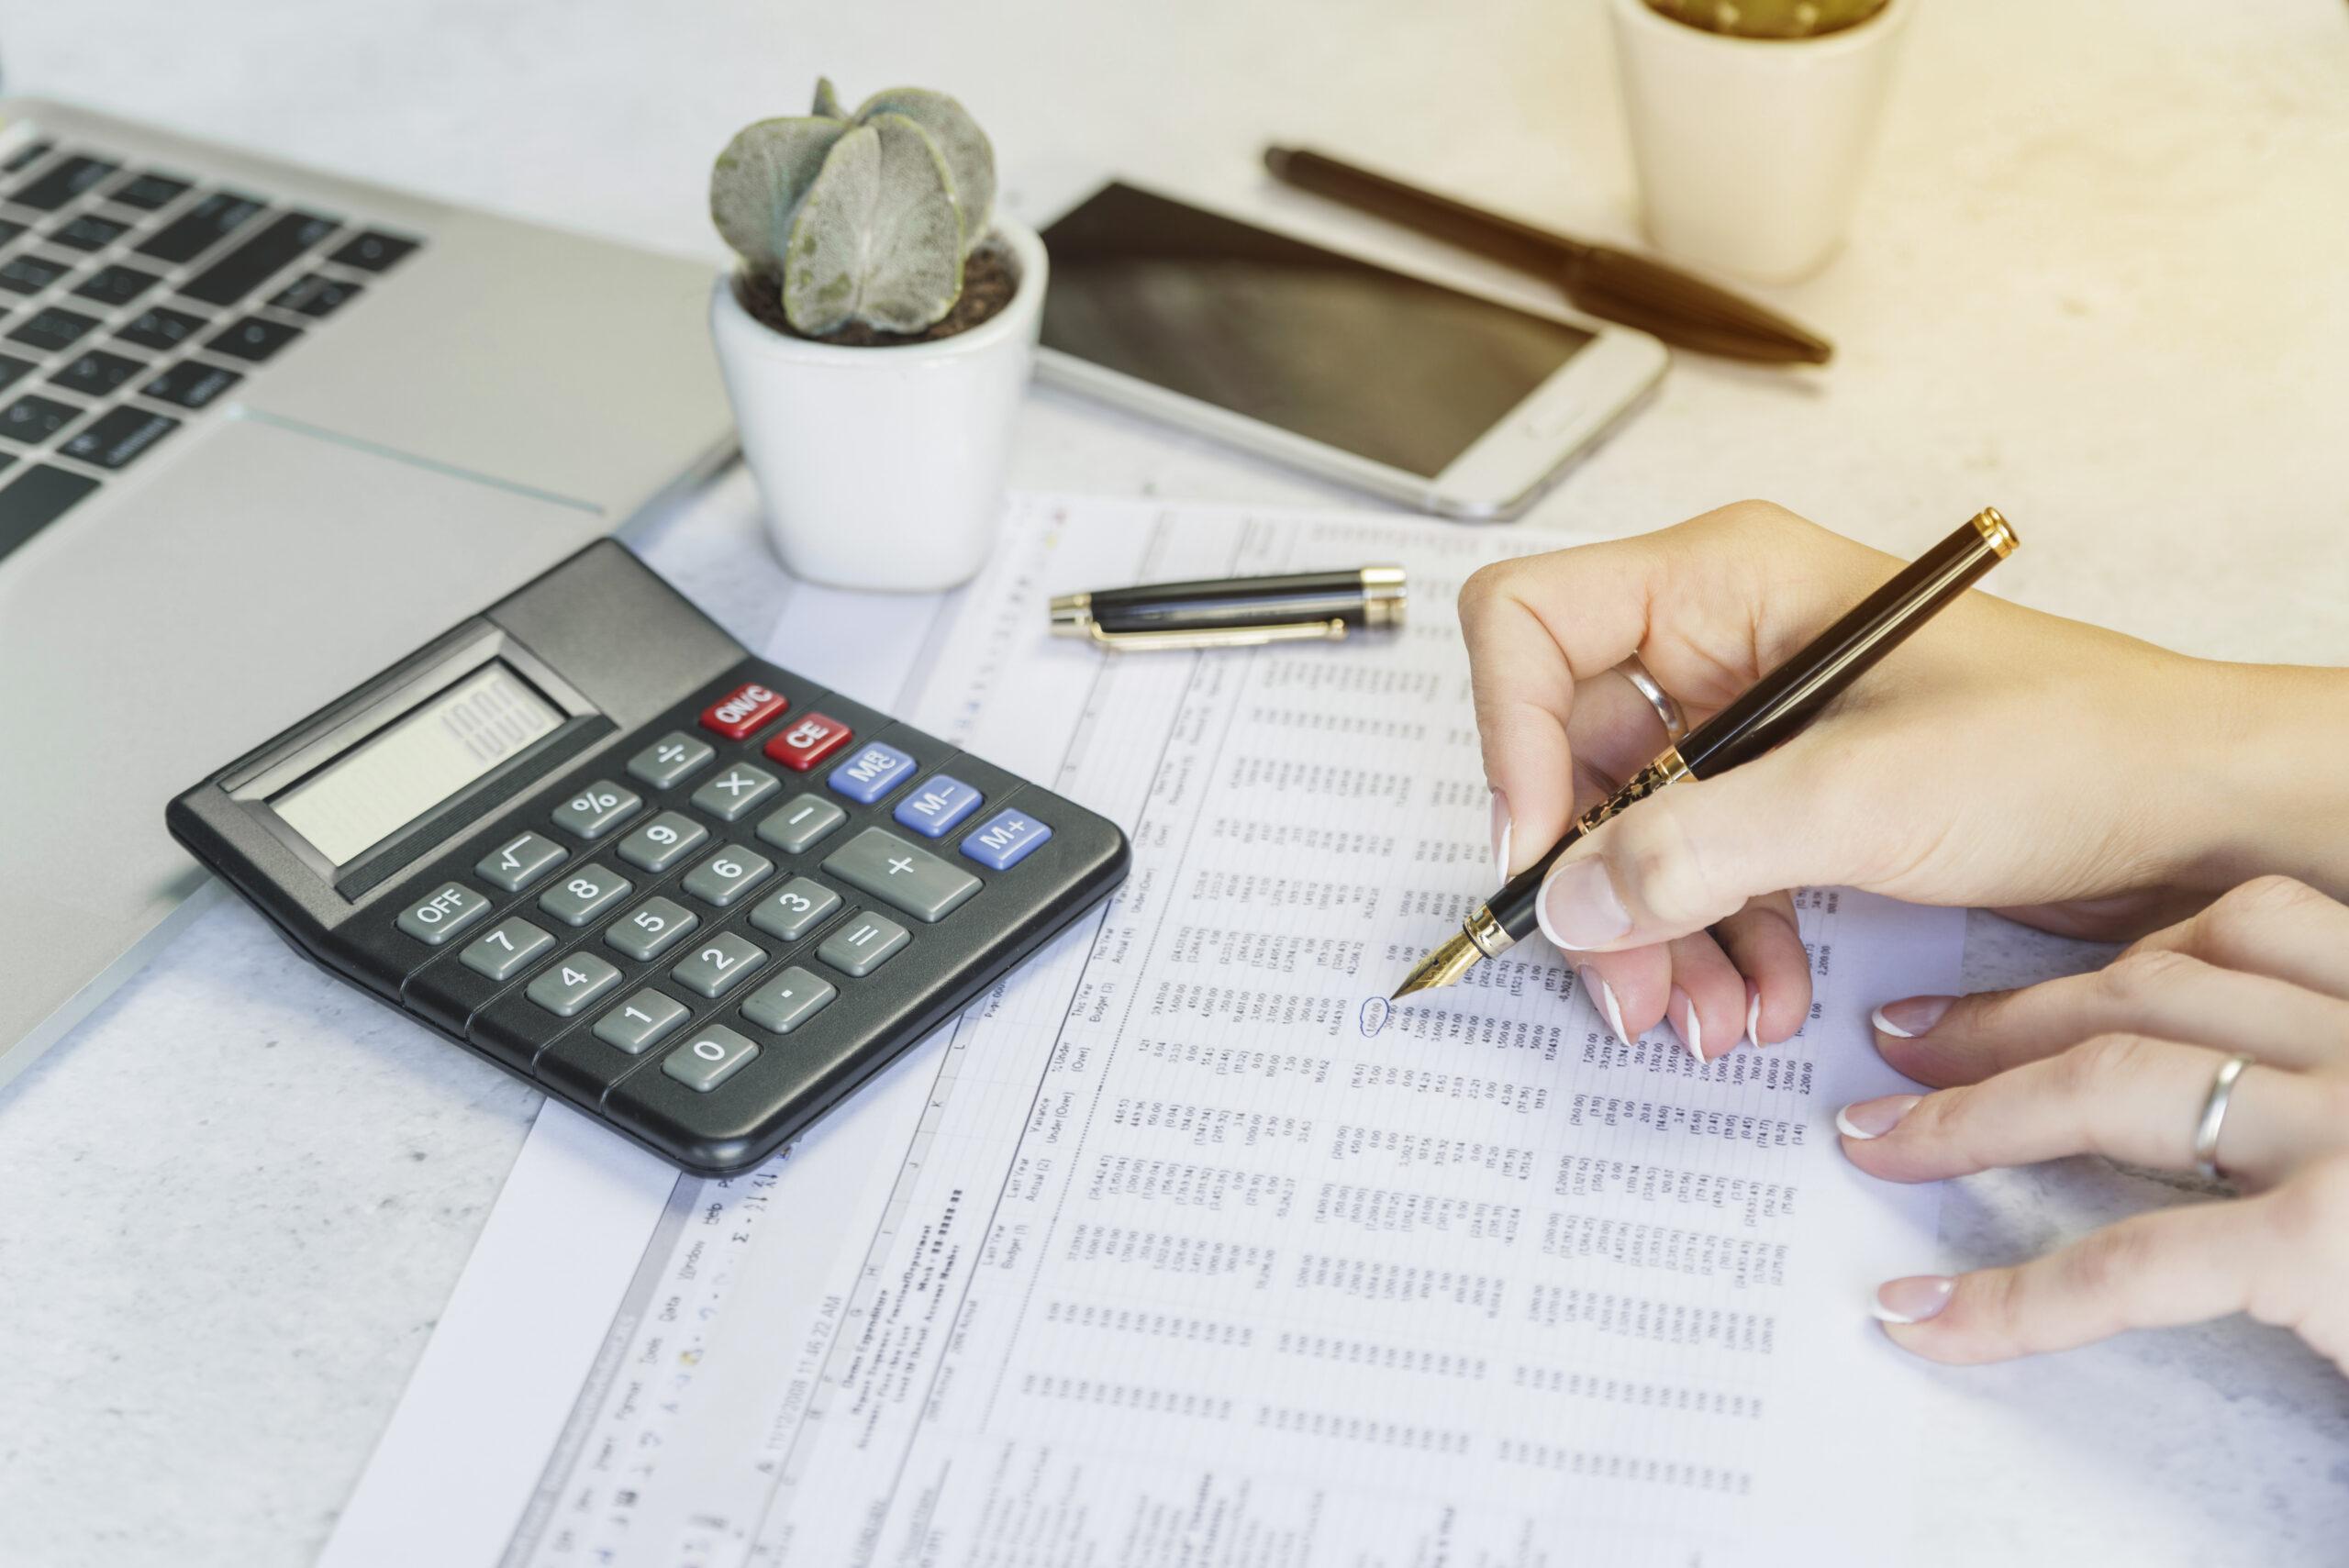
(1401, 370)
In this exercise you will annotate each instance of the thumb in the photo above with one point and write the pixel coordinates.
(1692, 854)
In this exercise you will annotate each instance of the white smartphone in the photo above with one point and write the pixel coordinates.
(1455, 403)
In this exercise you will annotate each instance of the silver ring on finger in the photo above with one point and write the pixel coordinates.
(2214, 1116)
(1674, 726)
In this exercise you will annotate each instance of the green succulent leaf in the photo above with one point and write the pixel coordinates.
(969, 157)
(759, 183)
(1769, 18)
(878, 238)
(828, 100)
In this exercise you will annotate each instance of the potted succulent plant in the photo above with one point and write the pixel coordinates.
(1752, 121)
(875, 335)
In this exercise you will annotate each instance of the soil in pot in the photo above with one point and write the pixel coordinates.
(989, 280)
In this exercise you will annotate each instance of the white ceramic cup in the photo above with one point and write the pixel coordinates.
(884, 467)
(1750, 151)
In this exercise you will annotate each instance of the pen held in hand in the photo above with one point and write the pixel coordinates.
(1775, 709)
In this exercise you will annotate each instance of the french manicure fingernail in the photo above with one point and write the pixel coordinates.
(1872, 1118)
(1912, 1016)
(1754, 1012)
(1578, 909)
(1911, 1300)
(1594, 987)
(1682, 1011)
(1502, 828)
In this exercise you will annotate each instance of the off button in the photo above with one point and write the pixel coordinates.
(449, 908)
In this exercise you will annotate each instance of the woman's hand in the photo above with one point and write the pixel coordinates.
(2120, 1064)
(2081, 779)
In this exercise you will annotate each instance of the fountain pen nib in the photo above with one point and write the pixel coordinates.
(1446, 965)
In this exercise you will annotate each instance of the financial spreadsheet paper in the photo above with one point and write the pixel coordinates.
(1182, 1246)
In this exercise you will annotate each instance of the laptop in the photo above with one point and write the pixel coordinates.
(263, 431)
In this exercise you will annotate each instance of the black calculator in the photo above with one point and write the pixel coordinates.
(587, 836)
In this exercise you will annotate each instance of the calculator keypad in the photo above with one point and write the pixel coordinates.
(643, 939)
(597, 809)
(586, 892)
(521, 861)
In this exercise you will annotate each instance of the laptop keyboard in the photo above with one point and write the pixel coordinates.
(133, 299)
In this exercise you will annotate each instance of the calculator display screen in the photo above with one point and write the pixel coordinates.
(399, 773)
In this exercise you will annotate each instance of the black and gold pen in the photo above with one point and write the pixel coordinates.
(1236, 612)
(1774, 710)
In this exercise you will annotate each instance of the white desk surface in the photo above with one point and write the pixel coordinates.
(2097, 280)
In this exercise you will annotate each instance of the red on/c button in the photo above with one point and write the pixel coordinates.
(742, 710)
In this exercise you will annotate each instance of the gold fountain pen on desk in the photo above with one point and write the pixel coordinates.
(1775, 709)
(1235, 612)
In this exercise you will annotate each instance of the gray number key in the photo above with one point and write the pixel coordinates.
(651, 928)
(864, 944)
(442, 912)
(662, 842)
(639, 1022)
(712, 1056)
(718, 965)
(728, 874)
(900, 874)
(500, 951)
(735, 791)
(585, 894)
(670, 759)
(799, 822)
(788, 1000)
(572, 982)
(793, 910)
(512, 867)
(596, 809)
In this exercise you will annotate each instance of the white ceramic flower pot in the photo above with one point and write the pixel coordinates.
(884, 467)
(1750, 151)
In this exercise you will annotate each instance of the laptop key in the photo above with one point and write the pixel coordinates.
(191, 385)
(88, 232)
(95, 374)
(13, 370)
(159, 327)
(116, 285)
(316, 294)
(375, 251)
(119, 435)
(30, 274)
(32, 420)
(35, 498)
(253, 339)
(54, 328)
(202, 227)
(256, 261)
(149, 192)
(61, 181)
(25, 156)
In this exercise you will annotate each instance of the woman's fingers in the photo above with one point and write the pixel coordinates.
(2176, 1265)
(1764, 942)
(2157, 990)
(2125, 1096)
(2272, 925)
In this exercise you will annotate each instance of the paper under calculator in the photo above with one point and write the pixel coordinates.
(586, 836)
